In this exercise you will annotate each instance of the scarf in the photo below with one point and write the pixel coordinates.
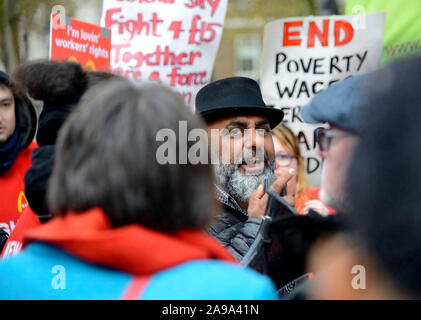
(133, 249)
(9, 151)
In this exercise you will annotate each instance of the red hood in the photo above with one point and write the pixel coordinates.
(133, 248)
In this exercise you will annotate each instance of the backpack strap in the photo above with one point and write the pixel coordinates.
(135, 288)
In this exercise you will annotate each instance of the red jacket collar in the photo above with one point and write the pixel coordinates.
(132, 248)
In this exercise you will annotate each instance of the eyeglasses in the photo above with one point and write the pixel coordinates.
(284, 160)
(324, 137)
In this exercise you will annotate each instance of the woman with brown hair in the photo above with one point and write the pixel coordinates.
(288, 155)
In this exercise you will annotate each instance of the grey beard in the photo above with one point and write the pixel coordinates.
(236, 184)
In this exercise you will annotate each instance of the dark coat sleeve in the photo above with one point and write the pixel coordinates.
(3, 238)
(236, 233)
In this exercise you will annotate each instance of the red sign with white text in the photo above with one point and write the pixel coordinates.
(81, 42)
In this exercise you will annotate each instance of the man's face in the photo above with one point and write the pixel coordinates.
(337, 158)
(7, 114)
(243, 145)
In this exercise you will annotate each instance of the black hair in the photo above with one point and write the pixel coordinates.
(60, 85)
(52, 82)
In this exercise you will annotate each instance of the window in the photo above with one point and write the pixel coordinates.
(247, 50)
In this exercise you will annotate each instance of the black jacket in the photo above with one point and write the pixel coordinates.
(232, 227)
(3, 238)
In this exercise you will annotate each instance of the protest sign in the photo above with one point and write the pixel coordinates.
(402, 36)
(171, 42)
(81, 42)
(302, 56)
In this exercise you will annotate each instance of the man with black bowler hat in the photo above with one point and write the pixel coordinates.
(239, 128)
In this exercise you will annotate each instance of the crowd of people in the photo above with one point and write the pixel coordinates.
(82, 190)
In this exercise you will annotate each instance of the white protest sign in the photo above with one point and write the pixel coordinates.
(174, 42)
(302, 56)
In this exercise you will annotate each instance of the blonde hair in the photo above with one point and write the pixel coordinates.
(290, 141)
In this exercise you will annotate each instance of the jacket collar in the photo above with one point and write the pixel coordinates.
(228, 200)
(132, 248)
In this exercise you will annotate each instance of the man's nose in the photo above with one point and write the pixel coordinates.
(254, 138)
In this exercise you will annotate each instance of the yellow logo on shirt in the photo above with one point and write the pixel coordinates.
(22, 202)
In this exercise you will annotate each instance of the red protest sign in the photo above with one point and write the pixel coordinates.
(81, 42)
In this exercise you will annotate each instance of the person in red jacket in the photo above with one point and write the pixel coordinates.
(60, 86)
(17, 129)
(125, 225)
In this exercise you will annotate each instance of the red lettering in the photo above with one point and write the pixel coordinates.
(204, 27)
(184, 79)
(141, 24)
(214, 4)
(108, 17)
(131, 28)
(349, 33)
(176, 28)
(117, 47)
(193, 55)
(173, 75)
(202, 4)
(147, 57)
(288, 33)
(155, 22)
(123, 54)
(167, 56)
(314, 30)
(138, 56)
(180, 57)
(194, 30)
(155, 76)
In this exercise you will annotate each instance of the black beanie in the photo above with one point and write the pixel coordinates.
(50, 121)
(36, 178)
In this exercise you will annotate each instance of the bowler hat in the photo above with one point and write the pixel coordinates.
(235, 96)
